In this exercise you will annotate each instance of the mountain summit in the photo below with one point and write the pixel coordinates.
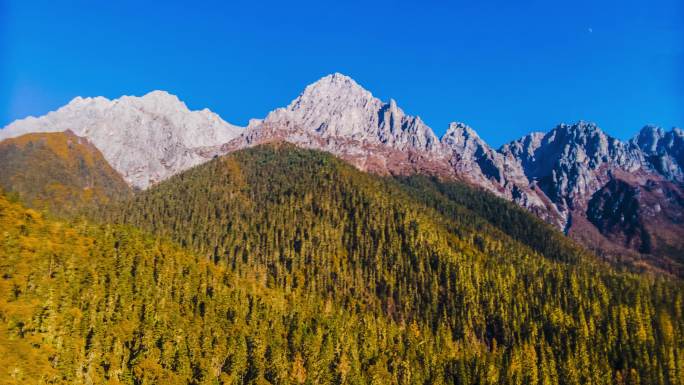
(570, 176)
(337, 115)
(337, 106)
(664, 151)
(572, 161)
(146, 139)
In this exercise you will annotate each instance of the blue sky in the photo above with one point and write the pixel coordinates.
(504, 67)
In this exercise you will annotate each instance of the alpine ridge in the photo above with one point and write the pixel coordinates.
(664, 151)
(282, 265)
(337, 115)
(336, 106)
(554, 175)
(146, 139)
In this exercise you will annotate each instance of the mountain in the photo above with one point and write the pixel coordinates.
(615, 202)
(336, 106)
(337, 115)
(303, 222)
(146, 139)
(282, 265)
(58, 171)
(646, 218)
(476, 162)
(554, 175)
(572, 161)
(663, 150)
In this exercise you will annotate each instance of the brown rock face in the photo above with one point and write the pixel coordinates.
(586, 183)
(643, 221)
(614, 196)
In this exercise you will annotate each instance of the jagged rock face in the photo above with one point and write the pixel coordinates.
(644, 217)
(497, 172)
(664, 151)
(614, 210)
(556, 175)
(337, 115)
(524, 149)
(471, 155)
(337, 107)
(571, 162)
(146, 139)
(612, 198)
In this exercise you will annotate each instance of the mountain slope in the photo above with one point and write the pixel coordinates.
(109, 304)
(306, 222)
(58, 171)
(586, 174)
(481, 210)
(553, 175)
(337, 115)
(146, 139)
(644, 218)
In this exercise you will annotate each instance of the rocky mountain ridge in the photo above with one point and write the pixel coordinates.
(146, 139)
(663, 150)
(336, 114)
(554, 174)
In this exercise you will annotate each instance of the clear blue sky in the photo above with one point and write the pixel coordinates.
(503, 68)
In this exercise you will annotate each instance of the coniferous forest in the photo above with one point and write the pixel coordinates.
(278, 265)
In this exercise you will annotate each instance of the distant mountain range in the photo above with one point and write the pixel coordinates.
(621, 199)
(144, 243)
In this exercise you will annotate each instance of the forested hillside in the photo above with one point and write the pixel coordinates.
(110, 305)
(496, 310)
(58, 171)
(472, 207)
